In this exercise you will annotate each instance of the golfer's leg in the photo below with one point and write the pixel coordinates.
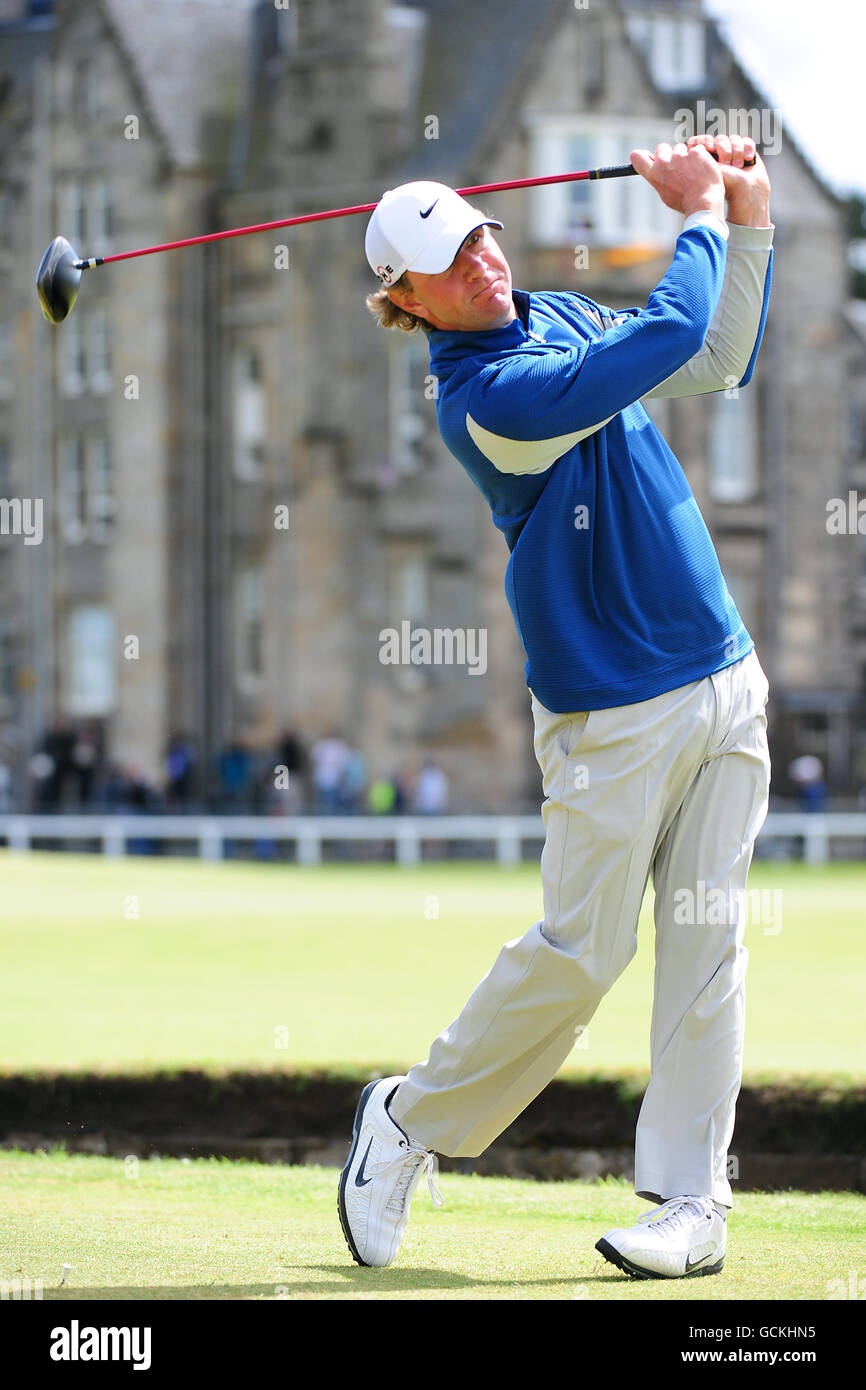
(606, 780)
(699, 874)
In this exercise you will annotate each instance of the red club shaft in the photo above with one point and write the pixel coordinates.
(614, 171)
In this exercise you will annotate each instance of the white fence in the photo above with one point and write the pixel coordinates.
(506, 834)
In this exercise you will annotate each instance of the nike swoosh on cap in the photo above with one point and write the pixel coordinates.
(429, 210)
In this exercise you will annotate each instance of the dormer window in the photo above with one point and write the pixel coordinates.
(675, 49)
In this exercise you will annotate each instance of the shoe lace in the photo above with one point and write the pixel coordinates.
(410, 1161)
(674, 1212)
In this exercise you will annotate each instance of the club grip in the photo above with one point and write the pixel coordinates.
(619, 171)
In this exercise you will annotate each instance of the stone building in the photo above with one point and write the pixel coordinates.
(244, 484)
(126, 120)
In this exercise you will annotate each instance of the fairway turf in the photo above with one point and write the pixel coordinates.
(215, 1229)
(137, 963)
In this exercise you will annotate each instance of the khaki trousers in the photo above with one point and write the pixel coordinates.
(676, 787)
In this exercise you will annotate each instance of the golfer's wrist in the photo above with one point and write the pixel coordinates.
(704, 217)
(707, 202)
(749, 212)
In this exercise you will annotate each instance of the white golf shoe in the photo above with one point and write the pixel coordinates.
(380, 1177)
(680, 1239)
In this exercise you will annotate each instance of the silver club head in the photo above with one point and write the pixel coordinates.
(57, 280)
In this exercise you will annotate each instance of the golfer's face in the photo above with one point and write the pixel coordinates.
(473, 293)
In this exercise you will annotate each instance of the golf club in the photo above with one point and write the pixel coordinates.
(59, 275)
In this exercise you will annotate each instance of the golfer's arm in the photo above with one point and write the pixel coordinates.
(529, 408)
(728, 354)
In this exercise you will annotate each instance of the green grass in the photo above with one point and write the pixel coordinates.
(363, 965)
(214, 1229)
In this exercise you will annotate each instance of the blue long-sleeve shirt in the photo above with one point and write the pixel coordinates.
(613, 580)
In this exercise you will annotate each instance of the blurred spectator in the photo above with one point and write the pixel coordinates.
(260, 783)
(12, 746)
(141, 798)
(328, 756)
(291, 756)
(43, 770)
(180, 761)
(234, 766)
(52, 764)
(128, 789)
(5, 787)
(139, 793)
(291, 753)
(84, 763)
(113, 788)
(352, 781)
(277, 792)
(431, 791)
(403, 791)
(382, 797)
(808, 774)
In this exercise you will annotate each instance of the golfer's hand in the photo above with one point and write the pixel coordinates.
(685, 180)
(747, 190)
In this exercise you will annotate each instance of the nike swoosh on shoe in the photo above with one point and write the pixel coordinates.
(360, 1180)
(703, 1252)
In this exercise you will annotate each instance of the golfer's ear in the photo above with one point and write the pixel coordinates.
(404, 299)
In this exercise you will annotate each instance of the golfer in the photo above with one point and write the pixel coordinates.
(647, 695)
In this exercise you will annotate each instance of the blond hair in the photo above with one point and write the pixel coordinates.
(388, 314)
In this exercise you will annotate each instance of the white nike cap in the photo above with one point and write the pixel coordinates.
(419, 226)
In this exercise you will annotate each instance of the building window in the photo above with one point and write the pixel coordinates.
(88, 671)
(579, 155)
(609, 213)
(249, 629)
(100, 487)
(7, 666)
(85, 353)
(408, 585)
(811, 734)
(100, 216)
(249, 415)
(855, 420)
(6, 361)
(743, 589)
(675, 50)
(73, 488)
(99, 351)
(409, 602)
(86, 213)
(71, 214)
(410, 413)
(8, 209)
(733, 447)
(86, 487)
(88, 97)
(285, 29)
(73, 356)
